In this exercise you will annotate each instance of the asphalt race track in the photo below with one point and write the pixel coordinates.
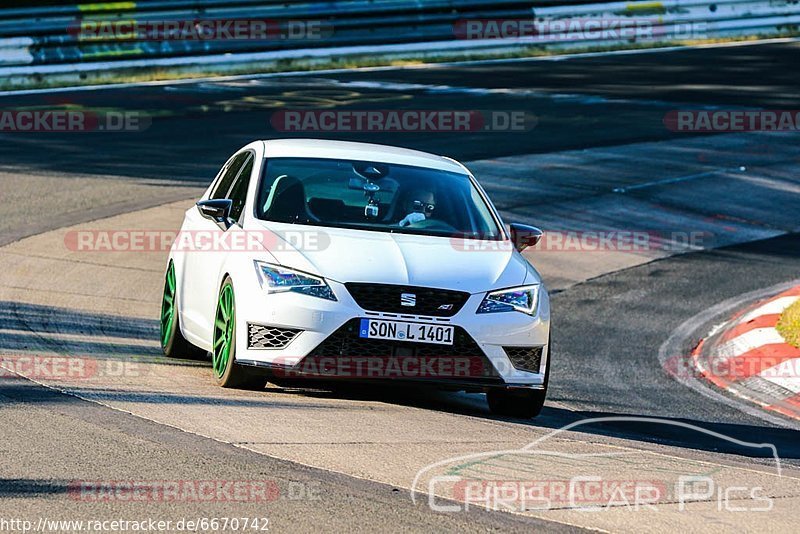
(580, 103)
(597, 155)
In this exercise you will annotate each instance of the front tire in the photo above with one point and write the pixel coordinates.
(522, 403)
(173, 344)
(227, 373)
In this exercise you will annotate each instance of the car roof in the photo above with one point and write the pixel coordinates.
(328, 149)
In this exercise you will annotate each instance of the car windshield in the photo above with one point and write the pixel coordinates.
(373, 196)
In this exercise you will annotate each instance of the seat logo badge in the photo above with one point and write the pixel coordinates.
(408, 299)
(446, 307)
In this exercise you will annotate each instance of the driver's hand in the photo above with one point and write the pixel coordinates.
(412, 218)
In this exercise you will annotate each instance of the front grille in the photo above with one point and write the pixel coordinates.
(346, 353)
(388, 298)
(269, 337)
(525, 358)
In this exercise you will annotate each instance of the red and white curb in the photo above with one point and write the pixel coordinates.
(748, 358)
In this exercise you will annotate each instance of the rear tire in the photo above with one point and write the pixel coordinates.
(173, 344)
(227, 373)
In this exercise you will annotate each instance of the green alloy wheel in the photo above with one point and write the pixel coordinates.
(173, 343)
(227, 372)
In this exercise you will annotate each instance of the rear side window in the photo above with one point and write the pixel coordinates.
(229, 175)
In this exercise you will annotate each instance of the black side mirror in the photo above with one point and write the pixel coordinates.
(524, 236)
(217, 210)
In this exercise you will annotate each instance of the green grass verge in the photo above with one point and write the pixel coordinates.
(789, 324)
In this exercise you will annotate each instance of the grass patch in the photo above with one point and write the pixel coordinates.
(789, 324)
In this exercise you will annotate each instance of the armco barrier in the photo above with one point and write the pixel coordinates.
(16, 51)
(676, 19)
(66, 34)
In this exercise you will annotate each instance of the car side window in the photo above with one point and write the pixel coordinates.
(228, 176)
(238, 192)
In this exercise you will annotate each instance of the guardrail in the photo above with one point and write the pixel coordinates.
(672, 20)
(65, 34)
(120, 31)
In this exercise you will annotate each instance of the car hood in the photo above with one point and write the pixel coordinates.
(346, 255)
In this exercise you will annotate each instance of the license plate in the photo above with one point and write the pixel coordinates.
(403, 331)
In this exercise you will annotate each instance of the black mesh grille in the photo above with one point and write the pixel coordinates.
(269, 337)
(387, 298)
(525, 358)
(464, 357)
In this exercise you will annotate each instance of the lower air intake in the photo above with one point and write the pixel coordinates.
(525, 358)
(269, 337)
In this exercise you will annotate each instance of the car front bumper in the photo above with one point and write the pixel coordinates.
(317, 320)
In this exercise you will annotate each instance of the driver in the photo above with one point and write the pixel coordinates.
(419, 206)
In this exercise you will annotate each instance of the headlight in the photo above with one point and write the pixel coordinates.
(523, 299)
(277, 279)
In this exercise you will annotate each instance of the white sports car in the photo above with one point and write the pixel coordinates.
(314, 259)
